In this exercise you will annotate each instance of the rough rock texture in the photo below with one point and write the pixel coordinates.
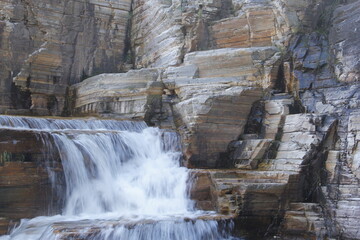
(323, 91)
(202, 190)
(201, 114)
(343, 37)
(25, 191)
(263, 194)
(215, 52)
(246, 154)
(157, 37)
(267, 88)
(126, 95)
(182, 26)
(305, 220)
(47, 45)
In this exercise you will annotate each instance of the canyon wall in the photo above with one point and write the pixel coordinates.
(265, 90)
(48, 45)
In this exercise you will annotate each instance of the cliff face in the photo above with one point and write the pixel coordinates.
(266, 88)
(48, 45)
(180, 27)
(213, 59)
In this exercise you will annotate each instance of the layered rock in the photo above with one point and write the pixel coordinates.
(261, 195)
(343, 40)
(322, 93)
(181, 27)
(201, 114)
(215, 98)
(25, 191)
(304, 221)
(248, 153)
(157, 37)
(46, 46)
(212, 60)
(128, 95)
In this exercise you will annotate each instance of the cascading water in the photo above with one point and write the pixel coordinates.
(123, 181)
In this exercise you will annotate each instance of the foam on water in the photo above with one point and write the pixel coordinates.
(126, 183)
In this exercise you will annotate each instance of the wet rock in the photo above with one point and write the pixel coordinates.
(202, 190)
(25, 192)
(20, 141)
(4, 225)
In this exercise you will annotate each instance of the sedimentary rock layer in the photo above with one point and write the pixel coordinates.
(47, 45)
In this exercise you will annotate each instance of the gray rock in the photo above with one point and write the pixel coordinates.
(344, 36)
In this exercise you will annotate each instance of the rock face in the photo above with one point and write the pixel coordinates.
(200, 113)
(305, 220)
(127, 95)
(25, 191)
(47, 45)
(344, 42)
(266, 88)
(181, 27)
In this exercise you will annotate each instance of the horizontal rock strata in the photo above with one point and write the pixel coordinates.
(128, 95)
(25, 191)
(46, 46)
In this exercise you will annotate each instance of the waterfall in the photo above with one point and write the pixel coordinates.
(123, 181)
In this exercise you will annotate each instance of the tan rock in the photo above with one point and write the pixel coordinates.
(248, 153)
(214, 116)
(25, 191)
(125, 95)
(247, 64)
(202, 190)
(47, 45)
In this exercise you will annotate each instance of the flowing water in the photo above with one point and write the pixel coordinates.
(123, 181)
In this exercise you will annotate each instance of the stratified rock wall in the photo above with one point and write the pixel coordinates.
(124, 95)
(344, 40)
(324, 71)
(157, 36)
(200, 66)
(47, 45)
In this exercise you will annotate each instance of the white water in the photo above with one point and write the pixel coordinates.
(125, 181)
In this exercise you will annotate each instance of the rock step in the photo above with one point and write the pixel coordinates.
(250, 174)
(241, 180)
(90, 229)
(305, 207)
(292, 165)
(252, 187)
(348, 191)
(304, 221)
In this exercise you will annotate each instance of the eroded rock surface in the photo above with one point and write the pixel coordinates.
(200, 68)
(344, 36)
(46, 46)
(25, 191)
(128, 95)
